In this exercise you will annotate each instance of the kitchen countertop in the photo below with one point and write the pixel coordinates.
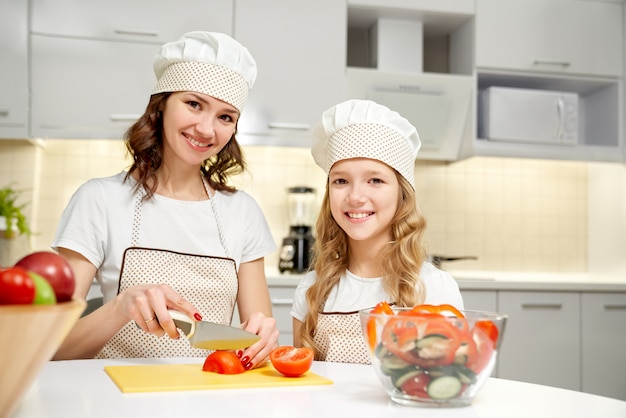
(81, 388)
(494, 280)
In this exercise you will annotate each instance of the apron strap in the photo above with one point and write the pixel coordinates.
(137, 217)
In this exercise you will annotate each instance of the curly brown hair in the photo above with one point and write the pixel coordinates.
(401, 259)
(144, 143)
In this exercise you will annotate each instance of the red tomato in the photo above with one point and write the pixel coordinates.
(55, 269)
(490, 329)
(223, 362)
(291, 361)
(417, 385)
(16, 287)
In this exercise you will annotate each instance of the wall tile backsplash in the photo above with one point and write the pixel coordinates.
(513, 214)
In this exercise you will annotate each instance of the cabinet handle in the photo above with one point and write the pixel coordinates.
(610, 307)
(550, 62)
(124, 117)
(140, 32)
(4, 112)
(542, 305)
(292, 126)
(282, 302)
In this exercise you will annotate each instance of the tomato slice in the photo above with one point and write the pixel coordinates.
(425, 340)
(292, 361)
(490, 329)
(380, 308)
(223, 362)
(484, 348)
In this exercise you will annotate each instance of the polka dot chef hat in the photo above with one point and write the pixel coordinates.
(363, 128)
(206, 62)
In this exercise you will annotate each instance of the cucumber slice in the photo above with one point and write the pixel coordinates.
(430, 340)
(466, 375)
(400, 380)
(444, 387)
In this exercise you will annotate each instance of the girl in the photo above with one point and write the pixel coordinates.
(171, 233)
(368, 242)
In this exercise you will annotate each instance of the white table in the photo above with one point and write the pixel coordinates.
(81, 388)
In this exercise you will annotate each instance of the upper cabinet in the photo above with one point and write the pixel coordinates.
(415, 57)
(14, 69)
(300, 51)
(91, 63)
(575, 37)
(560, 46)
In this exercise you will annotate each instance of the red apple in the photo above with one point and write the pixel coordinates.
(55, 269)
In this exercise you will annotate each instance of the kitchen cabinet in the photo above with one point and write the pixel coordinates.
(143, 21)
(428, 79)
(14, 69)
(573, 46)
(542, 341)
(299, 48)
(550, 36)
(480, 300)
(603, 341)
(88, 88)
(282, 300)
(91, 63)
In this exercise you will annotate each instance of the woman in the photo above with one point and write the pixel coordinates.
(171, 233)
(368, 241)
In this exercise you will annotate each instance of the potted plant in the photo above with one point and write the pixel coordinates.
(12, 219)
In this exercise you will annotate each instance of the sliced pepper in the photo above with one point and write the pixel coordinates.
(440, 309)
(380, 308)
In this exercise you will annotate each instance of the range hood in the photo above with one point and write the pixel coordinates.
(438, 105)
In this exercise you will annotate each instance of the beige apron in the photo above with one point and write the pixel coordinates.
(339, 338)
(209, 283)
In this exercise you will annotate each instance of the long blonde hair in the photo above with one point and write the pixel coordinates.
(401, 259)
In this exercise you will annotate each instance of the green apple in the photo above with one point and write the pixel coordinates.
(44, 293)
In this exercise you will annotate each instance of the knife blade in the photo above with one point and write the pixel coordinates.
(212, 336)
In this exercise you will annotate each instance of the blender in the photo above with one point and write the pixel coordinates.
(295, 253)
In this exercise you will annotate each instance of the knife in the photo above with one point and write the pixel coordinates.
(212, 336)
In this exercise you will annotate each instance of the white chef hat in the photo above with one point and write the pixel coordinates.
(363, 128)
(206, 62)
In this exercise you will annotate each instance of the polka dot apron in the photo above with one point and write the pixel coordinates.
(209, 283)
(339, 338)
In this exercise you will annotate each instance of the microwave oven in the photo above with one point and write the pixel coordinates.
(528, 116)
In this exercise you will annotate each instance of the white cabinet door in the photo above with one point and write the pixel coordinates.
(554, 36)
(88, 88)
(603, 344)
(480, 300)
(299, 47)
(154, 21)
(13, 69)
(541, 339)
(282, 300)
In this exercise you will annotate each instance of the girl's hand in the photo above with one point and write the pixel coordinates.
(258, 353)
(147, 305)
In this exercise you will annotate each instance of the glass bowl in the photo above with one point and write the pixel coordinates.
(429, 359)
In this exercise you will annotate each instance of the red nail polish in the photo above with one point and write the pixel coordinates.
(197, 316)
(245, 360)
(239, 353)
(248, 366)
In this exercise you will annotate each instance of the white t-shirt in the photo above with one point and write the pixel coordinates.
(98, 221)
(354, 293)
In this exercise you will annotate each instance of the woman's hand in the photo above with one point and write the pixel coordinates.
(147, 305)
(258, 353)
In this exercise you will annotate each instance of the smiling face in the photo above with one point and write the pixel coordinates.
(364, 196)
(196, 127)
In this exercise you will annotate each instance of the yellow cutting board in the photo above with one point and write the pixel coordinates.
(173, 377)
